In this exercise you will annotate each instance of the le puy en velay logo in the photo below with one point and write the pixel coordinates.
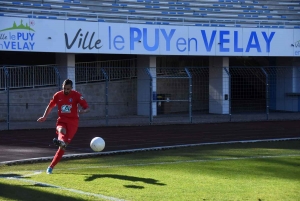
(17, 37)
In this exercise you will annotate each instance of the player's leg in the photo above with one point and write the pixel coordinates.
(62, 131)
(57, 157)
(72, 129)
(65, 133)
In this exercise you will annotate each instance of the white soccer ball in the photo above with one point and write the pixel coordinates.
(97, 144)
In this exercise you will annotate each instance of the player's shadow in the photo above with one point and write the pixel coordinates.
(18, 176)
(12, 176)
(126, 178)
(134, 186)
(29, 192)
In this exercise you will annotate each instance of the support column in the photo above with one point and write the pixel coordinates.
(296, 81)
(66, 63)
(218, 85)
(296, 74)
(143, 84)
(287, 84)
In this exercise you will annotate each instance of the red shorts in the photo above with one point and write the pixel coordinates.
(71, 130)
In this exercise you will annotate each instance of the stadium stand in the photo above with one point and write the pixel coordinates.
(218, 13)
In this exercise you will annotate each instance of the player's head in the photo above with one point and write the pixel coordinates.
(67, 86)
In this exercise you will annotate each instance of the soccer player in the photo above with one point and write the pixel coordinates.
(67, 101)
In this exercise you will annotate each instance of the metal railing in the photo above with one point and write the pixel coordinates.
(31, 76)
(4, 74)
(115, 70)
(265, 90)
(176, 97)
(169, 94)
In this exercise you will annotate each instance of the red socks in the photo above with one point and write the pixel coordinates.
(60, 152)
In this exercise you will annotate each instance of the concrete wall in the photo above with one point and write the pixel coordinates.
(26, 104)
(30, 104)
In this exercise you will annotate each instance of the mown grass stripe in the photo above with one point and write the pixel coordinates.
(166, 163)
(187, 161)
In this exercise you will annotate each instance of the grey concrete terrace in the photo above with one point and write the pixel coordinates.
(236, 13)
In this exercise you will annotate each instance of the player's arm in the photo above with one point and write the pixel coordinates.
(84, 105)
(49, 108)
(84, 111)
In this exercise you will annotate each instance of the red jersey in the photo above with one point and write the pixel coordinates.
(67, 106)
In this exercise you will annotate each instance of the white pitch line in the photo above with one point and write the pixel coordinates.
(32, 174)
(41, 159)
(62, 188)
(186, 161)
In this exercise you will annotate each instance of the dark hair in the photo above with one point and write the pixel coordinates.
(68, 82)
